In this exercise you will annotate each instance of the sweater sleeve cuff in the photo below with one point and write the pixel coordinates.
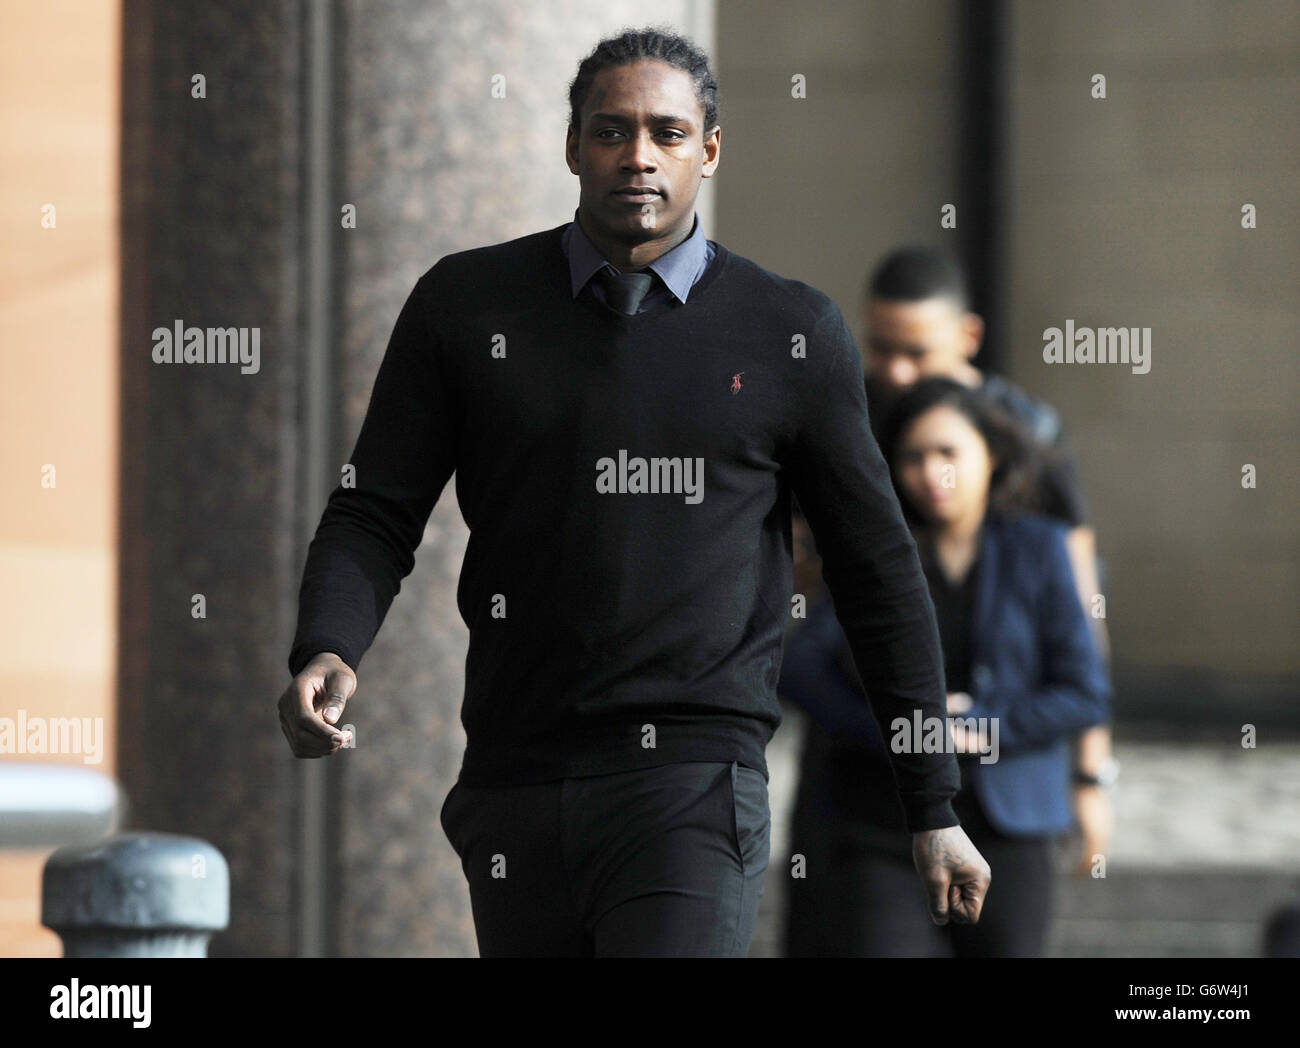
(924, 813)
(304, 651)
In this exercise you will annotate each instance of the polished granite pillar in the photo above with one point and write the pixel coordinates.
(224, 472)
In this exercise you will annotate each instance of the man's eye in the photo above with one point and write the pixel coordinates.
(673, 133)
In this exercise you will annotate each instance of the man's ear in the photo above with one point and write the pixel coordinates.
(972, 330)
(571, 149)
(712, 151)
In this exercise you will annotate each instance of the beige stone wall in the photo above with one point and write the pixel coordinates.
(1127, 211)
(818, 188)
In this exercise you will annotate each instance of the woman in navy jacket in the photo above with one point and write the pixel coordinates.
(1023, 676)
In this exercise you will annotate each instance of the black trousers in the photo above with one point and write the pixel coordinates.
(658, 862)
(862, 897)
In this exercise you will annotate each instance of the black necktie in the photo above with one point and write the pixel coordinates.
(624, 291)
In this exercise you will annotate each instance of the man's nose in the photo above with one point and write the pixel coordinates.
(901, 373)
(639, 154)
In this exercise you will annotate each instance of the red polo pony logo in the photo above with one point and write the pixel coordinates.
(735, 383)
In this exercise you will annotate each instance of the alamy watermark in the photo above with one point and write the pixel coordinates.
(194, 345)
(94, 1001)
(654, 476)
(79, 736)
(1108, 345)
(931, 735)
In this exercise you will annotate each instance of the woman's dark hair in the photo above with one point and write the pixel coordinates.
(1014, 484)
(659, 43)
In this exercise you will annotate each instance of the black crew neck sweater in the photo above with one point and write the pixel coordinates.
(626, 481)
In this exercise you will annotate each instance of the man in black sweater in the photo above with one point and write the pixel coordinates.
(627, 408)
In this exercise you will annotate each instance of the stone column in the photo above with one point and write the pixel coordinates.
(210, 235)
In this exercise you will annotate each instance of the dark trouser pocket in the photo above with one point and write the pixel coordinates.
(751, 818)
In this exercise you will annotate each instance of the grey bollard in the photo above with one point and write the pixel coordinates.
(136, 895)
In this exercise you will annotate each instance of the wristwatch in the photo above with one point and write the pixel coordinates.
(1106, 776)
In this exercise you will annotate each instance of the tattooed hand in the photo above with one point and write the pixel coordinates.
(954, 873)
